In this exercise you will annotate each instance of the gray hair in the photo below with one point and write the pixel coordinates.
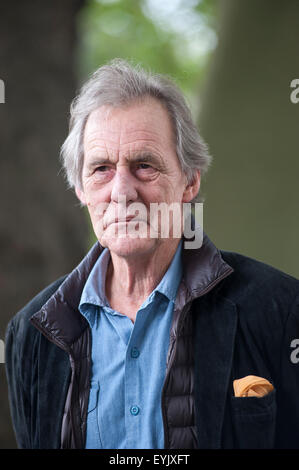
(120, 83)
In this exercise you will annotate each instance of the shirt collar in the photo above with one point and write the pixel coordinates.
(170, 282)
(94, 288)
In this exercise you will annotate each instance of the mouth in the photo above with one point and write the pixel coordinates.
(122, 221)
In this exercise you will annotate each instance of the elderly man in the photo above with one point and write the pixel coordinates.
(150, 342)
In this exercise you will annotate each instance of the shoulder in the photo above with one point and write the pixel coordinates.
(253, 278)
(19, 324)
(266, 301)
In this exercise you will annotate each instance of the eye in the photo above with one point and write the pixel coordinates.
(103, 173)
(144, 166)
(145, 171)
(102, 168)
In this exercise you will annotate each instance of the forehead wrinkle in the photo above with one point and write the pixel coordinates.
(98, 150)
(146, 144)
(141, 134)
(95, 145)
(98, 136)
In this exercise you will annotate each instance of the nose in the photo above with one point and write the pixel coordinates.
(123, 185)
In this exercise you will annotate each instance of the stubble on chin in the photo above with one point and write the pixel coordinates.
(128, 246)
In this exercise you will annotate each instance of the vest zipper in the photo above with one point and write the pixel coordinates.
(169, 362)
(172, 350)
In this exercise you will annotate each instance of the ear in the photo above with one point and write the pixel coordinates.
(192, 189)
(80, 195)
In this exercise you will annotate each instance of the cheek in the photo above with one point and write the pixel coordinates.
(97, 206)
(168, 190)
(97, 211)
(94, 193)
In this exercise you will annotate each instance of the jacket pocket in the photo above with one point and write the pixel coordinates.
(254, 421)
(93, 438)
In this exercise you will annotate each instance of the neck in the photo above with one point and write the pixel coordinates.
(130, 280)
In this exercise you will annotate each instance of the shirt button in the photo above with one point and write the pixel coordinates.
(135, 353)
(134, 410)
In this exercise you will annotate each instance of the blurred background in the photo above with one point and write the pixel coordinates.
(234, 60)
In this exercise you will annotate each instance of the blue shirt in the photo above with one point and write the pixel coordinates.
(128, 362)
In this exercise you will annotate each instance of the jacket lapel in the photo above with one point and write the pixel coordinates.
(215, 329)
(59, 320)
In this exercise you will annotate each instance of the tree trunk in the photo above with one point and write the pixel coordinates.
(43, 232)
(251, 124)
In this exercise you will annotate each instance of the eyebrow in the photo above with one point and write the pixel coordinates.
(139, 157)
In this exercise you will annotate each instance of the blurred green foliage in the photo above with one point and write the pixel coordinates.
(174, 37)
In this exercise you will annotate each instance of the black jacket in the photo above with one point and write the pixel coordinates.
(233, 317)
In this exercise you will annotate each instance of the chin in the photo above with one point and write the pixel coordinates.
(128, 246)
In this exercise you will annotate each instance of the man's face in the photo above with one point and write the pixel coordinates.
(130, 157)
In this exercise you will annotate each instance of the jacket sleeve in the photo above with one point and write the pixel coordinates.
(287, 423)
(19, 400)
(22, 342)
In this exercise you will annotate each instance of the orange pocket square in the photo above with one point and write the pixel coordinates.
(252, 386)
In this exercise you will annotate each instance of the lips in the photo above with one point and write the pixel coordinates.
(117, 221)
